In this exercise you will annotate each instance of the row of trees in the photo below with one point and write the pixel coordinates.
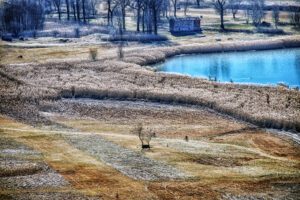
(78, 10)
(255, 9)
(19, 15)
(148, 12)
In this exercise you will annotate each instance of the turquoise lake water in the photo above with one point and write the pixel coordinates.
(255, 67)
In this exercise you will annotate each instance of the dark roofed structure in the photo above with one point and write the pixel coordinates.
(186, 25)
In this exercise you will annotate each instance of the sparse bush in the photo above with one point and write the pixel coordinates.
(73, 91)
(120, 51)
(93, 53)
(186, 138)
(257, 11)
(145, 135)
(275, 15)
(295, 16)
(55, 33)
(77, 32)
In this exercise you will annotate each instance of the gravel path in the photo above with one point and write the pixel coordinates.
(128, 162)
(48, 179)
(22, 167)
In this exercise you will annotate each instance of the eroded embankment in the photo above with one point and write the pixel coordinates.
(272, 107)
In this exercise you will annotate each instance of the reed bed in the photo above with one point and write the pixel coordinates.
(270, 107)
(160, 54)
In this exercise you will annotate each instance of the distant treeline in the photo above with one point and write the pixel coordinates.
(17, 16)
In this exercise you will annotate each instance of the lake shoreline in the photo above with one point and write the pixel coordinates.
(262, 68)
(160, 54)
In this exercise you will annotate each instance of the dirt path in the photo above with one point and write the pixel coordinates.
(130, 163)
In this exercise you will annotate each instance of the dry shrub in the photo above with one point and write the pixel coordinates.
(145, 135)
(93, 53)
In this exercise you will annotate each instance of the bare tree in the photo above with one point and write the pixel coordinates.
(73, 7)
(165, 8)
(275, 15)
(198, 2)
(109, 12)
(120, 33)
(144, 10)
(186, 4)
(57, 4)
(18, 16)
(235, 6)
(83, 10)
(151, 11)
(68, 9)
(137, 5)
(123, 4)
(145, 135)
(155, 6)
(220, 7)
(174, 3)
(93, 5)
(78, 9)
(295, 15)
(257, 11)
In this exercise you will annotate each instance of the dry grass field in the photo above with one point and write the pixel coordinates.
(223, 158)
(67, 121)
(81, 145)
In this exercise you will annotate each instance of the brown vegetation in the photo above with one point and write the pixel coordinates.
(121, 80)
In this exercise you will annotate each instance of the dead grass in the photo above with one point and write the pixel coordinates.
(41, 55)
(213, 171)
(227, 159)
(264, 141)
(126, 81)
(85, 173)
